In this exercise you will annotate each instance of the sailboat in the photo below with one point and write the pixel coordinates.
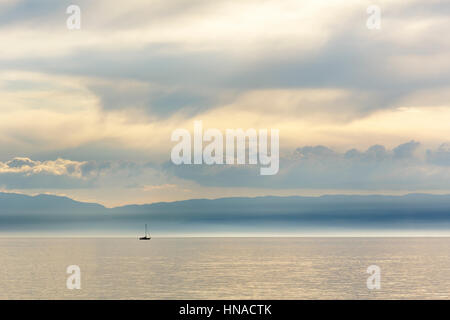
(146, 237)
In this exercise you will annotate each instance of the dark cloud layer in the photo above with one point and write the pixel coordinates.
(405, 167)
(352, 58)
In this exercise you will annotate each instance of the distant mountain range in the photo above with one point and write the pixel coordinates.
(272, 214)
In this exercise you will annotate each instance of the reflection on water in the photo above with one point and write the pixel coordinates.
(225, 268)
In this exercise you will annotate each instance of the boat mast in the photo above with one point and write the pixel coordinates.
(146, 230)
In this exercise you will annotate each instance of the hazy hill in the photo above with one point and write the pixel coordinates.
(330, 211)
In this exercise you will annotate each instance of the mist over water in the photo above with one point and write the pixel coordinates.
(225, 268)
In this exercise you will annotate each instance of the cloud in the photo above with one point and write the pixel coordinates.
(109, 95)
(406, 150)
(159, 187)
(441, 156)
(57, 167)
(403, 168)
(188, 53)
(25, 173)
(92, 180)
(155, 100)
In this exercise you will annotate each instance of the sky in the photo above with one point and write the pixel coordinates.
(89, 113)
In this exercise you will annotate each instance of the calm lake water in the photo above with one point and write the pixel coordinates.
(225, 268)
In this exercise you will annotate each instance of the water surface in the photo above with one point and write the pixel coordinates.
(225, 268)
